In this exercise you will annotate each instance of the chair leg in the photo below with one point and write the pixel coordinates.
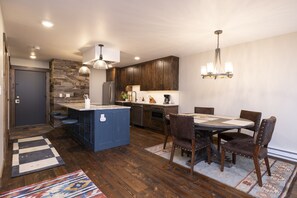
(267, 165)
(172, 153)
(219, 142)
(208, 154)
(222, 159)
(192, 161)
(165, 141)
(233, 158)
(258, 171)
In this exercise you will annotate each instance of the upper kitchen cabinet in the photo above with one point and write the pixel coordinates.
(129, 75)
(170, 68)
(111, 74)
(147, 76)
(136, 74)
(122, 79)
(160, 74)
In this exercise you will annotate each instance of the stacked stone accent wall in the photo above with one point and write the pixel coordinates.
(65, 79)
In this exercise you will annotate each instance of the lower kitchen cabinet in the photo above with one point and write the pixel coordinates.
(154, 116)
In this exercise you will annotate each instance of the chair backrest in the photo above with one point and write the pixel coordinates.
(253, 116)
(167, 126)
(204, 110)
(264, 135)
(182, 127)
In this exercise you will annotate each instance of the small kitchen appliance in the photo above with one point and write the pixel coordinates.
(166, 98)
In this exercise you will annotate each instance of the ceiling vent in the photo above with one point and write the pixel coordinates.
(110, 55)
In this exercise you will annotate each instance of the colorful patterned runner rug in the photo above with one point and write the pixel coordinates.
(242, 175)
(32, 155)
(75, 184)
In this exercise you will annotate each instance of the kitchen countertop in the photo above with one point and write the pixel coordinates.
(81, 106)
(147, 103)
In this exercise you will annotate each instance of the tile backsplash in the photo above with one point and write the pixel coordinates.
(157, 95)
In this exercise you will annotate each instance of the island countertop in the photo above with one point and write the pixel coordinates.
(93, 107)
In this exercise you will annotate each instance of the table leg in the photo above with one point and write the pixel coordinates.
(201, 155)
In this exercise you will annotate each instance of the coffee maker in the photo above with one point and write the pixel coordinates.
(166, 98)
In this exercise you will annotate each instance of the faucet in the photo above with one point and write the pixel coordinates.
(135, 95)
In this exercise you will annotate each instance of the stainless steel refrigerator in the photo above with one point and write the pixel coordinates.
(108, 95)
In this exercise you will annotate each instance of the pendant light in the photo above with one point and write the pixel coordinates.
(215, 70)
(100, 63)
(84, 71)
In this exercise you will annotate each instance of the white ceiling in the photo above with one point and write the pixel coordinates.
(149, 29)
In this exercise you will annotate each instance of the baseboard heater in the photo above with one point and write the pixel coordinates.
(279, 153)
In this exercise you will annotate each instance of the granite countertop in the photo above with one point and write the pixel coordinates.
(93, 107)
(147, 103)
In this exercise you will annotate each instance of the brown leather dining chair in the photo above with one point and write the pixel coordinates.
(204, 110)
(201, 110)
(167, 131)
(249, 115)
(183, 135)
(255, 148)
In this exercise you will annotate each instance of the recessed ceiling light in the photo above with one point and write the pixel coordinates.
(137, 58)
(47, 24)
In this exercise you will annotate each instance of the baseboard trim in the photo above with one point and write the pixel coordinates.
(283, 154)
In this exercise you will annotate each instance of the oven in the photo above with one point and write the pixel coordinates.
(157, 114)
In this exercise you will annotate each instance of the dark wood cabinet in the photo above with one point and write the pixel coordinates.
(170, 66)
(137, 75)
(146, 116)
(160, 74)
(129, 75)
(146, 76)
(122, 79)
(154, 116)
(111, 74)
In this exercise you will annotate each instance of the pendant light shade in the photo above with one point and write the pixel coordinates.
(100, 63)
(84, 71)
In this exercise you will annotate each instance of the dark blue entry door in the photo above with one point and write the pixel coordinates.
(30, 92)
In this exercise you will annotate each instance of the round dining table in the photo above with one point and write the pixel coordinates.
(209, 125)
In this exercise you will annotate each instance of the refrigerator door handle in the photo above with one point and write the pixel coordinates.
(110, 96)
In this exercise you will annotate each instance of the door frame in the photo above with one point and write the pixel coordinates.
(13, 68)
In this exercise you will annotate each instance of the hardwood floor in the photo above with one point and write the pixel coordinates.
(127, 171)
(29, 131)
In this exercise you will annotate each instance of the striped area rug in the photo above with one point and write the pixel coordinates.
(242, 175)
(75, 184)
(33, 154)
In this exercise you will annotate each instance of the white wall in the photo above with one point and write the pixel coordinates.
(29, 63)
(264, 80)
(1, 96)
(97, 78)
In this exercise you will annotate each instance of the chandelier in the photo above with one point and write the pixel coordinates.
(100, 63)
(215, 70)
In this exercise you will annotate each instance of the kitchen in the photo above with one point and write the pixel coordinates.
(172, 51)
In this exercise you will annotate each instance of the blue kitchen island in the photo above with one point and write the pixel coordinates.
(100, 127)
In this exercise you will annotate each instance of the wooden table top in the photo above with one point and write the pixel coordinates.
(215, 122)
